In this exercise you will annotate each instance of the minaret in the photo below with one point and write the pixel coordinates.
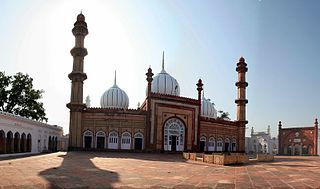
(279, 138)
(315, 139)
(252, 131)
(197, 132)
(149, 79)
(241, 101)
(77, 76)
(268, 131)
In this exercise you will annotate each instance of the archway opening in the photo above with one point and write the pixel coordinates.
(23, 143)
(113, 140)
(2, 142)
(100, 139)
(16, 142)
(174, 135)
(126, 141)
(87, 139)
(227, 145)
(203, 144)
(211, 144)
(138, 141)
(29, 143)
(9, 142)
(219, 144)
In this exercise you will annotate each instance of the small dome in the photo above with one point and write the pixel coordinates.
(81, 17)
(114, 98)
(207, 108)
(164, 83)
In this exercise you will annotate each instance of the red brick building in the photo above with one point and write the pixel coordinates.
(298, 140)
(165, 121)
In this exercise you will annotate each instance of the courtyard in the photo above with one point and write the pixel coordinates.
(140, 170)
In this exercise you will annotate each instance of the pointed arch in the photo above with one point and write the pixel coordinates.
(87, 139)
(29, 142)
(113, 140)
(203, 142)
(16, 145)
(138, 141)
(211, 144)
(126, 141)
(23, 143)
(100, 140)
(2, 142)
(9, 142)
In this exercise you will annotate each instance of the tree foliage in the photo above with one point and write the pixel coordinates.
(17, 96)
(223, 115)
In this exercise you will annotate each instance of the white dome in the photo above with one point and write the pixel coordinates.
(164, 83)
(207, 108)
(114, 98)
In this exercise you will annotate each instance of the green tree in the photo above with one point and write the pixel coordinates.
(223, 115)
(17, 96)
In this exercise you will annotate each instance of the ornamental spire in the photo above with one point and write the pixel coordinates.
(162, 60)
(115, 78)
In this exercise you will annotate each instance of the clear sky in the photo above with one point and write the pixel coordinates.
(280, 41)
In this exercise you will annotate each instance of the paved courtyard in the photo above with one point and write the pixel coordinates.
(135, 170)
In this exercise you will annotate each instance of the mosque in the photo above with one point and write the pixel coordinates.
(165, 121)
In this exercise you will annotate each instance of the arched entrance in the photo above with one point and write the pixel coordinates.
(55, 144)
(138, 141)
(113, 140)
(87, 139)
(219, 144)
(203, 140)
(16, 142)
(9, 142)
(174, 135)
(100, 140)
(23, 143)
(126, 141)
(234, 145)
(227, 145)
(29, 143)
(2, 142)
(211, 144)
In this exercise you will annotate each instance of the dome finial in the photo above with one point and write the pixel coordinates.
(162, 60)
(115, 77)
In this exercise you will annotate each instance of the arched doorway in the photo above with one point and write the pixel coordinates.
(23, 143)
(113, 140)
(219, 144)
(138, 141)
(9, 142)
(50, 144)
(234, 145)
(87, 139)
(2, 142)
(29, 143)
(126, 141)
(211, 144)
(174, 135)
(100, 140)
(16, 142)
(55, 144)
(203, 140)
(227, 145)
(297, 150)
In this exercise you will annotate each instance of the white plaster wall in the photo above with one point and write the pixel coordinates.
(39, 132)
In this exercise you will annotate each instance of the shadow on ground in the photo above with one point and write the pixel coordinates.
(79, 172)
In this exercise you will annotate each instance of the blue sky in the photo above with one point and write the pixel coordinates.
(201, 39)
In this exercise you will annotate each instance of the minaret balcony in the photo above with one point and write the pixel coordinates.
(242, 84)
(241, 101)
(77, 76)
(78, 51)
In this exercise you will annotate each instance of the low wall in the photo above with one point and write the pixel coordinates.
(265, 157)
(219, 158)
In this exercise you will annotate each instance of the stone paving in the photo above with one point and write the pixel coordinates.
(138, 170)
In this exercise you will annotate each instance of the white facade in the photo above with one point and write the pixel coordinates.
(23, 135)
(261, 142)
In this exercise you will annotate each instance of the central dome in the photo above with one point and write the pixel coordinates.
(114, 98)
(164, 83)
